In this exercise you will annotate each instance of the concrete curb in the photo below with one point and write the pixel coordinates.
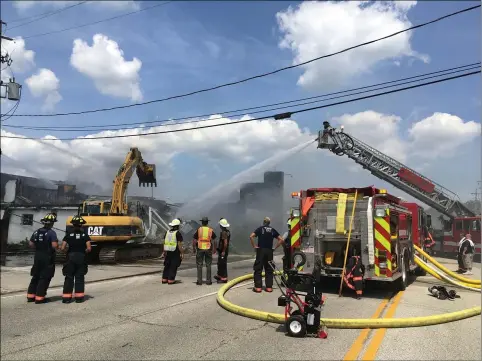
(121, 277)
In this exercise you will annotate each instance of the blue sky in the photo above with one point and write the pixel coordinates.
(185, 46)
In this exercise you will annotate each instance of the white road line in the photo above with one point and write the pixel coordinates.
(121, 279)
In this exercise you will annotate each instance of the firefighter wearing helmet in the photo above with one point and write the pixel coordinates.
(223, 251)
(45, 242)
(75, 269)
(173, 252)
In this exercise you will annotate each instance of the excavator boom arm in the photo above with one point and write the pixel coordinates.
(393, 172)
(145, 172)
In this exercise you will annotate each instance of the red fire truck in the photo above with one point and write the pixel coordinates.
(384, 230)
(461, 220)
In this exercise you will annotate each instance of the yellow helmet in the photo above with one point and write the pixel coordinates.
(175, 222)
(49, 218)
(223, 223)
(77, 221)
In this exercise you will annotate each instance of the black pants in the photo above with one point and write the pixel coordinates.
(223, 266)
(74, 271)
(172, 261)
(204, 256)
(42, 271)
(263, 257)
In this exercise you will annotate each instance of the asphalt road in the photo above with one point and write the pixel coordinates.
(139, 318)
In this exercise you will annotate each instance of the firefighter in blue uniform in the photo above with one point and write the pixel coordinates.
(45, 242)
(76, 267)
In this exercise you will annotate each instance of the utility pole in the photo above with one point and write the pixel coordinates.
(12, 89)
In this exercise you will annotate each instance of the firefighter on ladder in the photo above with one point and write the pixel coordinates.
(45, 242)
(173, 252)
(354, 272)
(76, 267)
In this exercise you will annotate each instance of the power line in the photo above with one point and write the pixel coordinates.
(238, 111)
(256, 76)
(97, 22)
(46, 15)
(275, 116)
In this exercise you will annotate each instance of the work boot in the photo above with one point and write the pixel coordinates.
(269, 289)
(257, 290)
(79, 300)
(164, 281)
(199, 283)
(217, 278)
(66, 300)
(222, 281)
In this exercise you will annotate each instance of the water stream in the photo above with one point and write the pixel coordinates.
(195, 207)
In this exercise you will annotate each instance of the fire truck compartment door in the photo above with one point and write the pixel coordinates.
(371, 245)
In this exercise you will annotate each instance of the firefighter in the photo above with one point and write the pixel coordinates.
(45, 242)
(354, 272)
(75, 268)
(223, 251)
(287, 247)
(264, 254)
(173, 252)
(204, 246)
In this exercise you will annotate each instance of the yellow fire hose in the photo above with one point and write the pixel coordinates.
(442, 277)
(445, 269)
(347, 323)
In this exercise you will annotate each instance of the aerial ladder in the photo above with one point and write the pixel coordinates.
(404, 178)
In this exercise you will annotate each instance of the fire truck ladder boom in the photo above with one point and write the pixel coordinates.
(394, 172)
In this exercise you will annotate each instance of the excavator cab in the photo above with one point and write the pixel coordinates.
(146, 174)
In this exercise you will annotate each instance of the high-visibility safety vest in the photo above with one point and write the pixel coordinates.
(204, 235)
(170, 241)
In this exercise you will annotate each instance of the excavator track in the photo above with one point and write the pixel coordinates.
(129, 253)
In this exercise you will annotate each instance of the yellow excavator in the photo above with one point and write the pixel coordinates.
(117, 233)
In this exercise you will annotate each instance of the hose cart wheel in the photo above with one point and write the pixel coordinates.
(296, 326)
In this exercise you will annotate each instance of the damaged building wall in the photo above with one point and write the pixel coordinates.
(26, 220)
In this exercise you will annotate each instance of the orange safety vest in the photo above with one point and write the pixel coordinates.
(204, 235)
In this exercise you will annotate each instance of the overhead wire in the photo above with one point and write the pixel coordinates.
(240, 112)
(255, 76)
(275, 116)
(97, 22)
(46, 15)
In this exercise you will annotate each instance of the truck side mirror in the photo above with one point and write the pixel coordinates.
(429, 221)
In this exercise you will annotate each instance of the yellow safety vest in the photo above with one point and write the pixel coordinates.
(170, 241)
(204, 235)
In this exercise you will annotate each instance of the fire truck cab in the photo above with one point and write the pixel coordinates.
(384, 230)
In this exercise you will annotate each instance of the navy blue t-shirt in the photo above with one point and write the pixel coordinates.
(265, 235)
(44, 241)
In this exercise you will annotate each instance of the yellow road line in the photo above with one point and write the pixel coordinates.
(377, 338)
(357, 346)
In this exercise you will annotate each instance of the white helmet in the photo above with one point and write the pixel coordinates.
(175, 222)
(223, 223)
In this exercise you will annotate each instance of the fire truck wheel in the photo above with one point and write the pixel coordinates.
(404, 269)
(296, 326)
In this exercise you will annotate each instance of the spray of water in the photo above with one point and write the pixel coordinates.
(206, 201)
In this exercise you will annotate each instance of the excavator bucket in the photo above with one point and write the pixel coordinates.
(147, 175)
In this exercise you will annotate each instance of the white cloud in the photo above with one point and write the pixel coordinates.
(235, 145)
(104, 63)
(314, 29)
(23, 60)
(23, 6)
(441, 135)
(45, 84)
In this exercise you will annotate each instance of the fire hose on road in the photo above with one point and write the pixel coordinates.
(445, 269)
(354, 323)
